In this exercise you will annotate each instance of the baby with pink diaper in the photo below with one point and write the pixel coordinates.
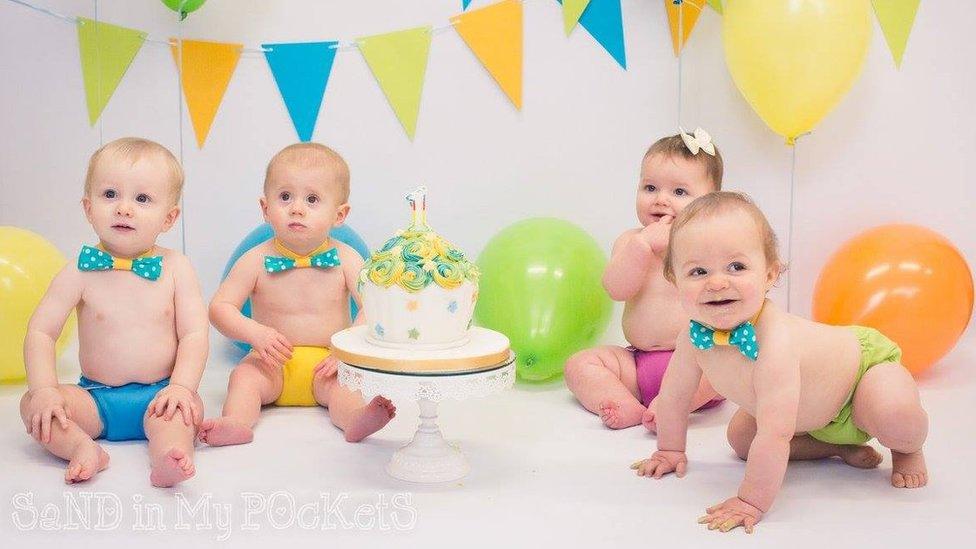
(621, 383)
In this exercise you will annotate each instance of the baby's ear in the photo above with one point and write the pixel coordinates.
(171, 217)
(86, 206)
(776, 270)
(263, 202)
(341, 213)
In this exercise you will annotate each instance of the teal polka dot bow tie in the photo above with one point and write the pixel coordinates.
(742, 336)
(324, 260)
(93, 259)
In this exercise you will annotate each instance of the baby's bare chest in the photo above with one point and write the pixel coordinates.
(307, 289)
(120, 297)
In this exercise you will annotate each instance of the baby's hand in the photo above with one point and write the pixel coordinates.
(46, 404)
(326, 368)
(656, 234)
(175, 397)
(272, 347)
(661, 463)
(731, 513)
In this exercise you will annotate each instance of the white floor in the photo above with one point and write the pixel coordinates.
(544, 472)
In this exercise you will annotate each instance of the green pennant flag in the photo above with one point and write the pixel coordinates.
(896, 18)
(399, 61)
(106, 52)
(716, 5)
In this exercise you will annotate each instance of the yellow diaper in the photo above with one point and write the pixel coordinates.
(296, 389)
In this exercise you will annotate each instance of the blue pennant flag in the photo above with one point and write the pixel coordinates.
(465, 4)
(302, 71)
(603, 20)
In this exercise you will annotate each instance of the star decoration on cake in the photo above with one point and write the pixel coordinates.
(413, 333)
(379, 330)
(452, 306)
(412, 305)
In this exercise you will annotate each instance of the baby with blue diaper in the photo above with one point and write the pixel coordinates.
(142, 326)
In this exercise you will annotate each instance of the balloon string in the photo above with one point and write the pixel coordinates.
(681, 40)
(789, 239)
(179, 107)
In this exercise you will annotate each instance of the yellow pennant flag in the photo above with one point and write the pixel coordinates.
(686, 15)
(896, 18)
(494, 34)
(572, 10)
(399, 62)
(206, 69)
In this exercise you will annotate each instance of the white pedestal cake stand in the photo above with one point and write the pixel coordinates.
(479, 368)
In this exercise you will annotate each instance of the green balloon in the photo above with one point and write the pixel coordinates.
(541, 286)
(183, 7)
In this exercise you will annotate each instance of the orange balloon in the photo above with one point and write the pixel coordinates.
(907, 281)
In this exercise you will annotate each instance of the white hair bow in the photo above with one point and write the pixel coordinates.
(699, 141)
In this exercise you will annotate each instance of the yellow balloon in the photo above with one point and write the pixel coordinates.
(794, 60)
(28, 263)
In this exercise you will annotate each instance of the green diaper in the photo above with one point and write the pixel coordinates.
(875, 349)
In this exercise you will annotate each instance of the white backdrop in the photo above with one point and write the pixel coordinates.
(898, 148)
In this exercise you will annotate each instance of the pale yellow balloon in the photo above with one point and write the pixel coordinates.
(28, 263)
(794, 60)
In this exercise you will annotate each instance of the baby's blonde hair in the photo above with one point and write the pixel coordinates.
(719, 202)
(133, 149)
(311, 155)
(673, 146)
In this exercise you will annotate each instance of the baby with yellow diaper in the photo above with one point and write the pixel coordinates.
(299, 283)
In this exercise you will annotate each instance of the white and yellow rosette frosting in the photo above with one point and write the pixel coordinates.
(418, 289)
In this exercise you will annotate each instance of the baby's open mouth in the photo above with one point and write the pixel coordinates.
(123, 227)
(721, 302)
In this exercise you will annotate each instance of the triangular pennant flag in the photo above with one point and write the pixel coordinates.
(465, 4)
(106, 52)
(686, 14)
(206, 70)
(302, 72)
(896, 18)
(399, 61)
(494, 34)
(602, 19)
(572, 10)
(716, 5)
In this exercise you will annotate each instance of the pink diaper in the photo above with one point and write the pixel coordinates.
(650, 371)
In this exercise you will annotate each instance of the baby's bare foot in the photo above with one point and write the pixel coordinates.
(371, 418)
(617, 416)
(172, 468)
(222, 431)
(862, 457)
(649, 419)
(908, 470)
(88, 459)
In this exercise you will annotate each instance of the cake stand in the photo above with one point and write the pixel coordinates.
(483, 366)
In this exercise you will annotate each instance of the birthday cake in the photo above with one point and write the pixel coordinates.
(418, 290)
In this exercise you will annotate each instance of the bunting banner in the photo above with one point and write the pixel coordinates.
(684, 13)
(572, 10)
(716, 5)
(603, 20)
(494, 34)
(106, 53)
(301, 71)
(399, 62)
(896, 18)
(206, 68)
(465, 4)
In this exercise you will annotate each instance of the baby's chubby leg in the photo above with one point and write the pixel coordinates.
(73, 439)
(604, 380)
(171, 447)
(742, 429)
(347, 409)
(887, 406)
(252, 385)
